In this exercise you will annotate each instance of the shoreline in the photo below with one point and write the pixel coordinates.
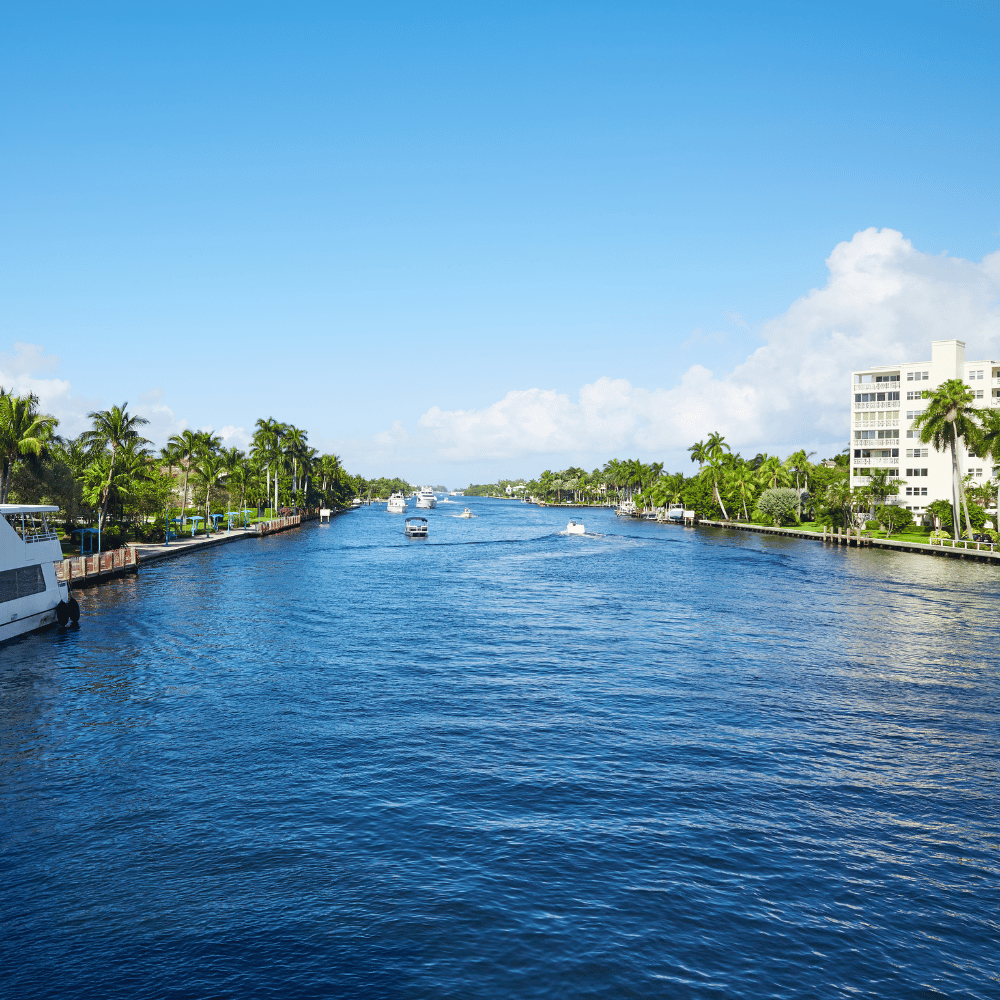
(92, 570)
(918, 548)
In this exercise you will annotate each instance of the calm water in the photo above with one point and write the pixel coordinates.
(507, 762)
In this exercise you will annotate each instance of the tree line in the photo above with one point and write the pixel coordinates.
(769, 489)
(111, 477)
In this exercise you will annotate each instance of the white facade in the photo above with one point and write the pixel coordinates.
(885, 401)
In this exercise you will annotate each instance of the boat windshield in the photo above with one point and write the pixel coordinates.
(32, 527)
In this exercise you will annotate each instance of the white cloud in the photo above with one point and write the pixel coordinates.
(884, 301)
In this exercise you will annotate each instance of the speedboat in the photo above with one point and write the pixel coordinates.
(397, 503)
(415, 527)
(466, 513)
(426, 500)
(30, 595)
(575, 528)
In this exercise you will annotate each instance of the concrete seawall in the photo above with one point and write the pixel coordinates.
(86, 571)
(964, 550)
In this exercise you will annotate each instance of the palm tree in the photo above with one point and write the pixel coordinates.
(773, 471)
(295, 448)
(743, 483)
(699, 454)
(838, 496)
(115, 429)
(986, 442)
(266, 448)
(184, 448)
(210, 469)
(715, 449)
(950, 417)
(799, 463)
(23, 431)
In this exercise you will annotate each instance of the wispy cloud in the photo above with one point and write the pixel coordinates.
(884, 301)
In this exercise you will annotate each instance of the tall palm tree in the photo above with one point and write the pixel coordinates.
(211, 467)
(799, 464)
(743, 483)
(294, 446)
(23, 431)
(715, 450)
(185, 447)
(115, 429)
(949, 418)
(267, 450)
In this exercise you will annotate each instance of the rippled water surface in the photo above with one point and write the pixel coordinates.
(507, 762)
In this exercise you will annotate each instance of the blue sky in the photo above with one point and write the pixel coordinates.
(346, 216)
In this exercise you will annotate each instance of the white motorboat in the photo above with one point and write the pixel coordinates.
(675, 512)
(30, 595)
(466, 513)
(426, 500)
(397, 503)
(575, 528)
(415, 527)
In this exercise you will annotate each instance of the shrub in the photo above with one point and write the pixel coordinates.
(891, 518)
(779, 505)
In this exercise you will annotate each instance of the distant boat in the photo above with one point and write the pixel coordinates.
(466, 513)
(397, 503)
(426, 500)
(575, 528)
(415, 527)
(675, 512)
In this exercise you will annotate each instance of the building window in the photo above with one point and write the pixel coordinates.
(910, 434)
(979, 393)
(979, 473)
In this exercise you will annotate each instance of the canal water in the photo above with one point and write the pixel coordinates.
(508, 762)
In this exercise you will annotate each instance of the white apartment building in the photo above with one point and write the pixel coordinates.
(886, 400)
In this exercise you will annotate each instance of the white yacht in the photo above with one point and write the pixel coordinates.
(675, 512)
(397, 503)
(466, 513)
(575, 528)
(30, 595)
(426, 500)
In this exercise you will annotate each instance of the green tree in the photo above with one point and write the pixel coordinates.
(742, 483)
(715, 449)
(986, 442)
(949, 418)
(778, 504)
(23, 431)
(891, 518)
(113, 429)
(210, 468)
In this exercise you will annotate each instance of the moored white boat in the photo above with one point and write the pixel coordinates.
(675, 512)
(397, 503)
(426, 500)
(575, 528)
(30, 595)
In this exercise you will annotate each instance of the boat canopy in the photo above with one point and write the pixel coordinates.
(27, 508)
